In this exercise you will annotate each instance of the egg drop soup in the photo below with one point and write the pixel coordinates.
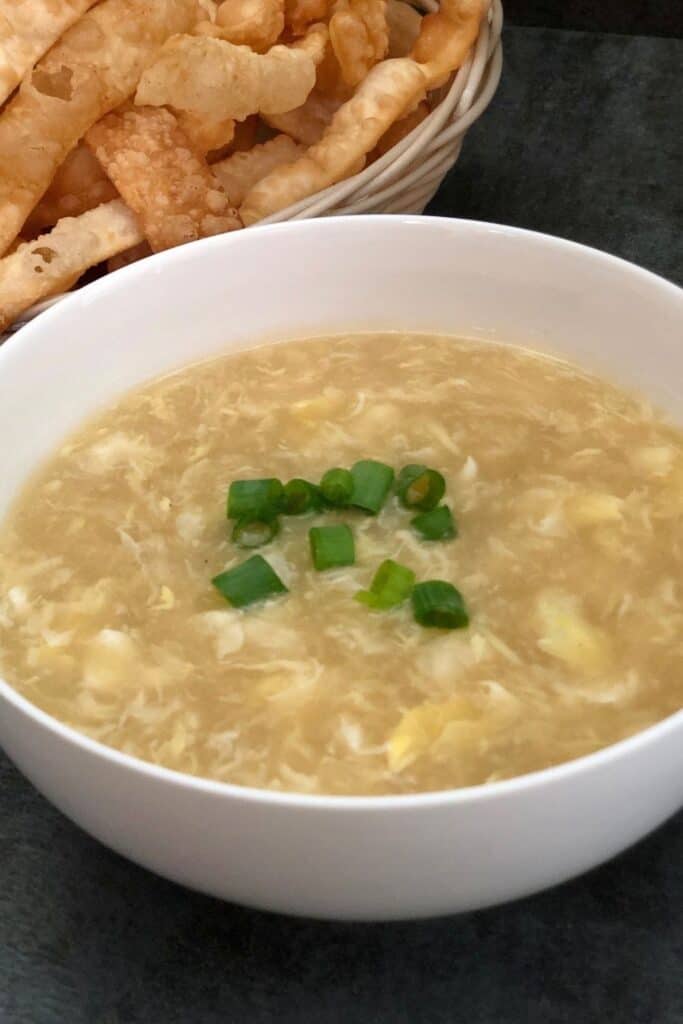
(567, 497)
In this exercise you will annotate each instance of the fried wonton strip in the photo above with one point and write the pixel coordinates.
(213, 78)
(314, 42)
(207, 9)
(254, 23)
(92, 69)
(52, 262)
(447, 36)
(308, 122)
(241, 171)
(299, 14)
(28, 28)
(360, 36)
(164, 181)
(399, 130)
(404, 24)
(19, 240)
(204, 133)
(79, 185)
(390, 90)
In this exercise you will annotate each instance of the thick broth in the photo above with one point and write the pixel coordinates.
(569, 498)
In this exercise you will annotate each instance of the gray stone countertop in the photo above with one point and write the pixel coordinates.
(583, 140)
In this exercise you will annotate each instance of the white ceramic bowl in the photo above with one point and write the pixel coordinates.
(387, 857)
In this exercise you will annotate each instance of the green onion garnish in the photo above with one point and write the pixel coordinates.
(420, 487)
(255, 499)
(253, 580)
(438, 524)
(299, 497)
(437, 603)
(371, 484)
(391, 584)
(336, 486)
(331, 546)
(252, 533)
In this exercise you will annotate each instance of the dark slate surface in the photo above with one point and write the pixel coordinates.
(642, 17)
(583, 140)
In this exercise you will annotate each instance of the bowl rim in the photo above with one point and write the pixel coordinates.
(466, 795)
(518, 784)
(156, 262)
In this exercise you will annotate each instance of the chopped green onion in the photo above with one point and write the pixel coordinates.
(299, 497)
(371, 484)
(253, 580)
(252, 533)
(254, 499)
(420, 487)
(336, 486)
(331, 546)
(437, 603)
(391, 584)
(438, 524)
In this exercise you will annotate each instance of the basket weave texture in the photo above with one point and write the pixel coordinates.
(407, 177)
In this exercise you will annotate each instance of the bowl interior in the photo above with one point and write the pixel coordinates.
(287, 851)
(328, 276)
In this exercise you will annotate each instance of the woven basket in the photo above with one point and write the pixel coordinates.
(406, 177)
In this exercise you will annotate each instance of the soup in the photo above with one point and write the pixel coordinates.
(568, 499)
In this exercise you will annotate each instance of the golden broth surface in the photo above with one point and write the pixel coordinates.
(568, 494)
